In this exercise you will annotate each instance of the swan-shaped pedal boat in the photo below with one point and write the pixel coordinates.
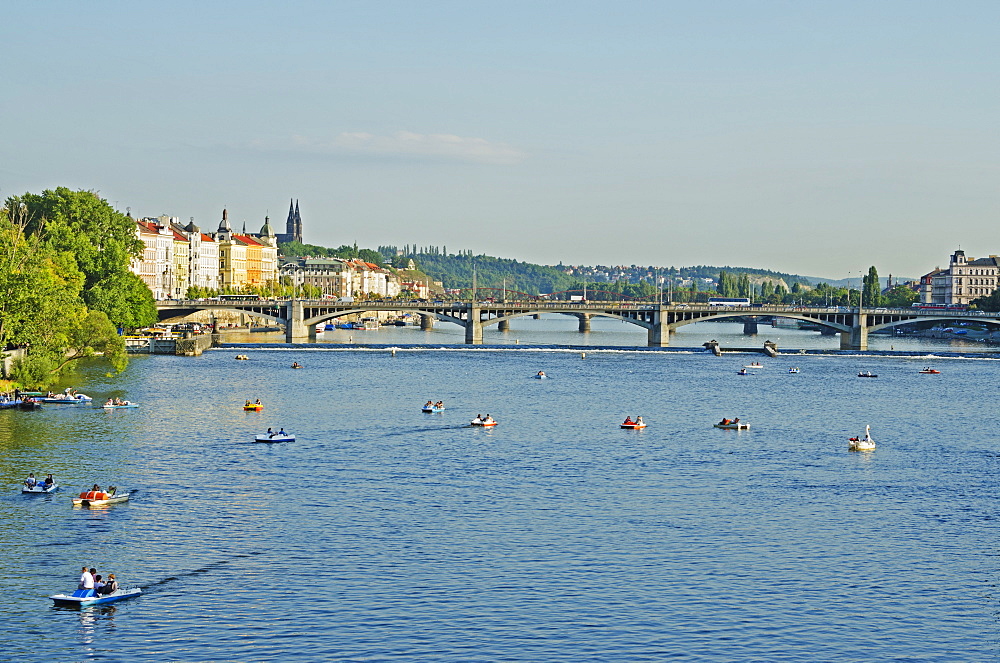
(275, 437)
(862, 444)
(85, 597)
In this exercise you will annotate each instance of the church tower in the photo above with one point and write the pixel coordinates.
(293, 224)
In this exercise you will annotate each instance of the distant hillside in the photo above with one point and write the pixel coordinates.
(455, 271)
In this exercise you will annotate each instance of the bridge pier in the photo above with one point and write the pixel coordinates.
(503, 325)
(857, 338)
(658, 335)
(749, 326)
(295, 328)
(584, 322)
(426, 323)
(474, 327)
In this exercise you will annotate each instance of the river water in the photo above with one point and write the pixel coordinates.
(383, 533)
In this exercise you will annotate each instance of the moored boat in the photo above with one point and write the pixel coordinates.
(84, 597)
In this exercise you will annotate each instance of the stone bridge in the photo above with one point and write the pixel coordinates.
(299, 317)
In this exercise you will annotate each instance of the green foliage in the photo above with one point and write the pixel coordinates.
(300, 250)
(871, 289)
(125, 299)
(989, 303)
(899, 296)
(44, 277)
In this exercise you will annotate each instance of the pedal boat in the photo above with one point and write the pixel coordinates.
(253, 407)
(99, 498)
(118, 407)
(930, 371)
(85, 597)
(865, 443)
(755, 364)
(39, 489)
(867, 374)
(432, 409)
(485, 423)
(739, 426)
(634, 426)
(264, 437)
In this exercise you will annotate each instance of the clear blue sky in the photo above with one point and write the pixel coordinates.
(809, 137)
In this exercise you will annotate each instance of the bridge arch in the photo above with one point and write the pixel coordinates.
(712, 315)
(594, 314)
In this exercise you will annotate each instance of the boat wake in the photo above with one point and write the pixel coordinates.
(153, 587)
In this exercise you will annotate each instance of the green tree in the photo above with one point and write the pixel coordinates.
(871, 289)
(899, 296)
(101, 240)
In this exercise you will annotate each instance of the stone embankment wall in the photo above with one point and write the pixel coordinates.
(194, 345)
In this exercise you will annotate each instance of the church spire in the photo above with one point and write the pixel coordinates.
(224, 226)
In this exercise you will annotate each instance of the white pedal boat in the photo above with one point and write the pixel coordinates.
(274, 437)
(485, 423)
(40, 489)
(432, 409)
(118, 407)
(85, 597)
(865, 443)
(98, 498)
(739, 426)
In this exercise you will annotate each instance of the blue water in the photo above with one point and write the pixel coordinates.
(383, 533)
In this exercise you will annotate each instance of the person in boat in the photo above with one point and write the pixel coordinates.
(639, 421)
(86, 579)
(31, 481)
(488, 419)
(736, 420)
(270, 432)
(478, 419)
(48, 480)
(628, 422)
(724, 422)
(439, 404)
(257, 402)
(110, 586)
(110, 402)
(282, 432)
(541, 374)
(96, 489)
(429, 404)
(247, 403)
(98, 584)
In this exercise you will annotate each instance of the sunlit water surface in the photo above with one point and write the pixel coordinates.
(383, 533)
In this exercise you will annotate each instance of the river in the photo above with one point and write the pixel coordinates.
(383, 533)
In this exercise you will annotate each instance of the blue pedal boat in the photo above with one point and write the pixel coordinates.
(86, 597)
